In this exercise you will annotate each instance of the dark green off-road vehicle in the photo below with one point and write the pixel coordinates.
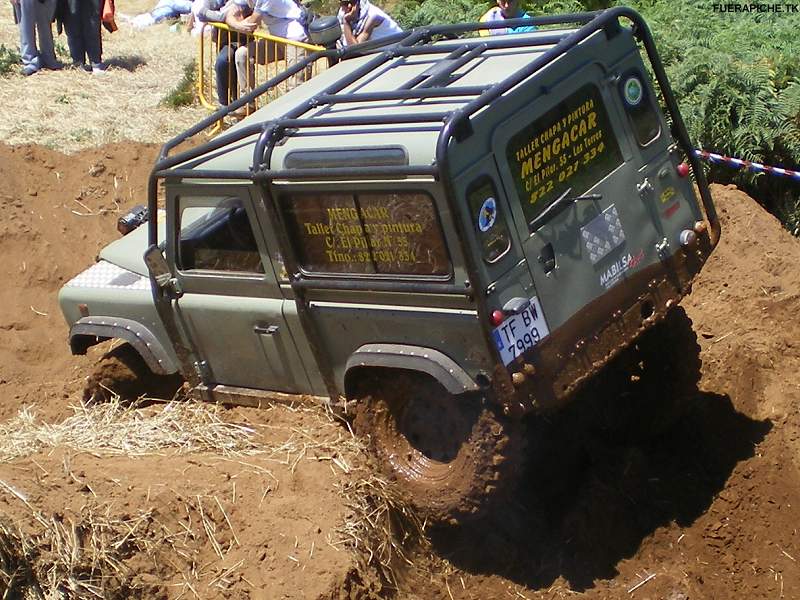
(450, 231)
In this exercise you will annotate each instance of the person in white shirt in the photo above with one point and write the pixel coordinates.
(283, 18)
(361, 21)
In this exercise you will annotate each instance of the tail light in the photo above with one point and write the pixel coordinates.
(497, 317)
(687, 238)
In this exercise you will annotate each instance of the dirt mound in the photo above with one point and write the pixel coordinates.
(708, 510)
(220, 522)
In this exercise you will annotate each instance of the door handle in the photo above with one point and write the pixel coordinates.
(548, 258)
(265, 329)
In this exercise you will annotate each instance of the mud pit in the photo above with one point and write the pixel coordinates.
(707, 510)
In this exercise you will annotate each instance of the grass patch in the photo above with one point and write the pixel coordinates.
(62, 51)
(113, 428)
(9, 60)
(185, 93)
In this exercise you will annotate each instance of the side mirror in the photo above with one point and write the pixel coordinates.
(157, 266)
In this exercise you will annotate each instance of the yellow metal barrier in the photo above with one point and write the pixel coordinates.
(231, 64)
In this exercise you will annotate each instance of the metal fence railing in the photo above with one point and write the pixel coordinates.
(230, 64)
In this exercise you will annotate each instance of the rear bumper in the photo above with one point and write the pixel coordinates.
(547, 377)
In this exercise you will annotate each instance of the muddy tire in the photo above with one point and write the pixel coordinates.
(651, 385)
(451, 457)
(122, 373)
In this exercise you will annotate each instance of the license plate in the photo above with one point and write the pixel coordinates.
(519, 333)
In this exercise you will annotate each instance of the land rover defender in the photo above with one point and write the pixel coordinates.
(447, 231)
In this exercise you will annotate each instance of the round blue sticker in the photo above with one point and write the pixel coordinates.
(633, 91)
(488, 214)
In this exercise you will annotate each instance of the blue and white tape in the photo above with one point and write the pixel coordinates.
(738, 163)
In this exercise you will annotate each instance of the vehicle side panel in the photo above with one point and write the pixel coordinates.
(345, 327)
(346, 319)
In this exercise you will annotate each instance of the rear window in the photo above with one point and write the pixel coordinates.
(641, 112)
(390, 233)
(490, 223)
(572, 145)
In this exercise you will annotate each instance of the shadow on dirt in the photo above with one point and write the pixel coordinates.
(590, 504)
(128, 62)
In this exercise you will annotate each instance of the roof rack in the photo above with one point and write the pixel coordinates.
(454, 122)
(457, 53)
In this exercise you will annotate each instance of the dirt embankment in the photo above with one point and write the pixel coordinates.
(58, 212)
(709, 510)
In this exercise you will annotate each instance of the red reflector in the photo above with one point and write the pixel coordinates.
(497, 317)
(682, 169)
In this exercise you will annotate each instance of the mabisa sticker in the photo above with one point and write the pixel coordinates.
(487, 215)
(613, 274)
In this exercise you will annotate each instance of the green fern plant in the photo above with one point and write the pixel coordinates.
(737, 80)
(9, 60)
(415, 13)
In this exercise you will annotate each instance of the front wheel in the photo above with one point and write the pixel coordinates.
(450, 456)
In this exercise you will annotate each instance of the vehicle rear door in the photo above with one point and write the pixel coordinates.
(571, 178)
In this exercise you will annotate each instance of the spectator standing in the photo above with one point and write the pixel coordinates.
(505, 9)
(215, 11)
(283, 18)
(361, 21)
(35, 16)
(82, 24)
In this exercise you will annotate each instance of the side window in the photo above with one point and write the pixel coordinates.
(217, 238)
(571, 146)
(490, 224)
(387, 233)
(639, 106)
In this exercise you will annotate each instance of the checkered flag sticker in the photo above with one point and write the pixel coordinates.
(104, 274)
(602, 234)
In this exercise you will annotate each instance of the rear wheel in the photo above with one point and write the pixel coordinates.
(123, 373)
(650, 386)
(449, 456)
